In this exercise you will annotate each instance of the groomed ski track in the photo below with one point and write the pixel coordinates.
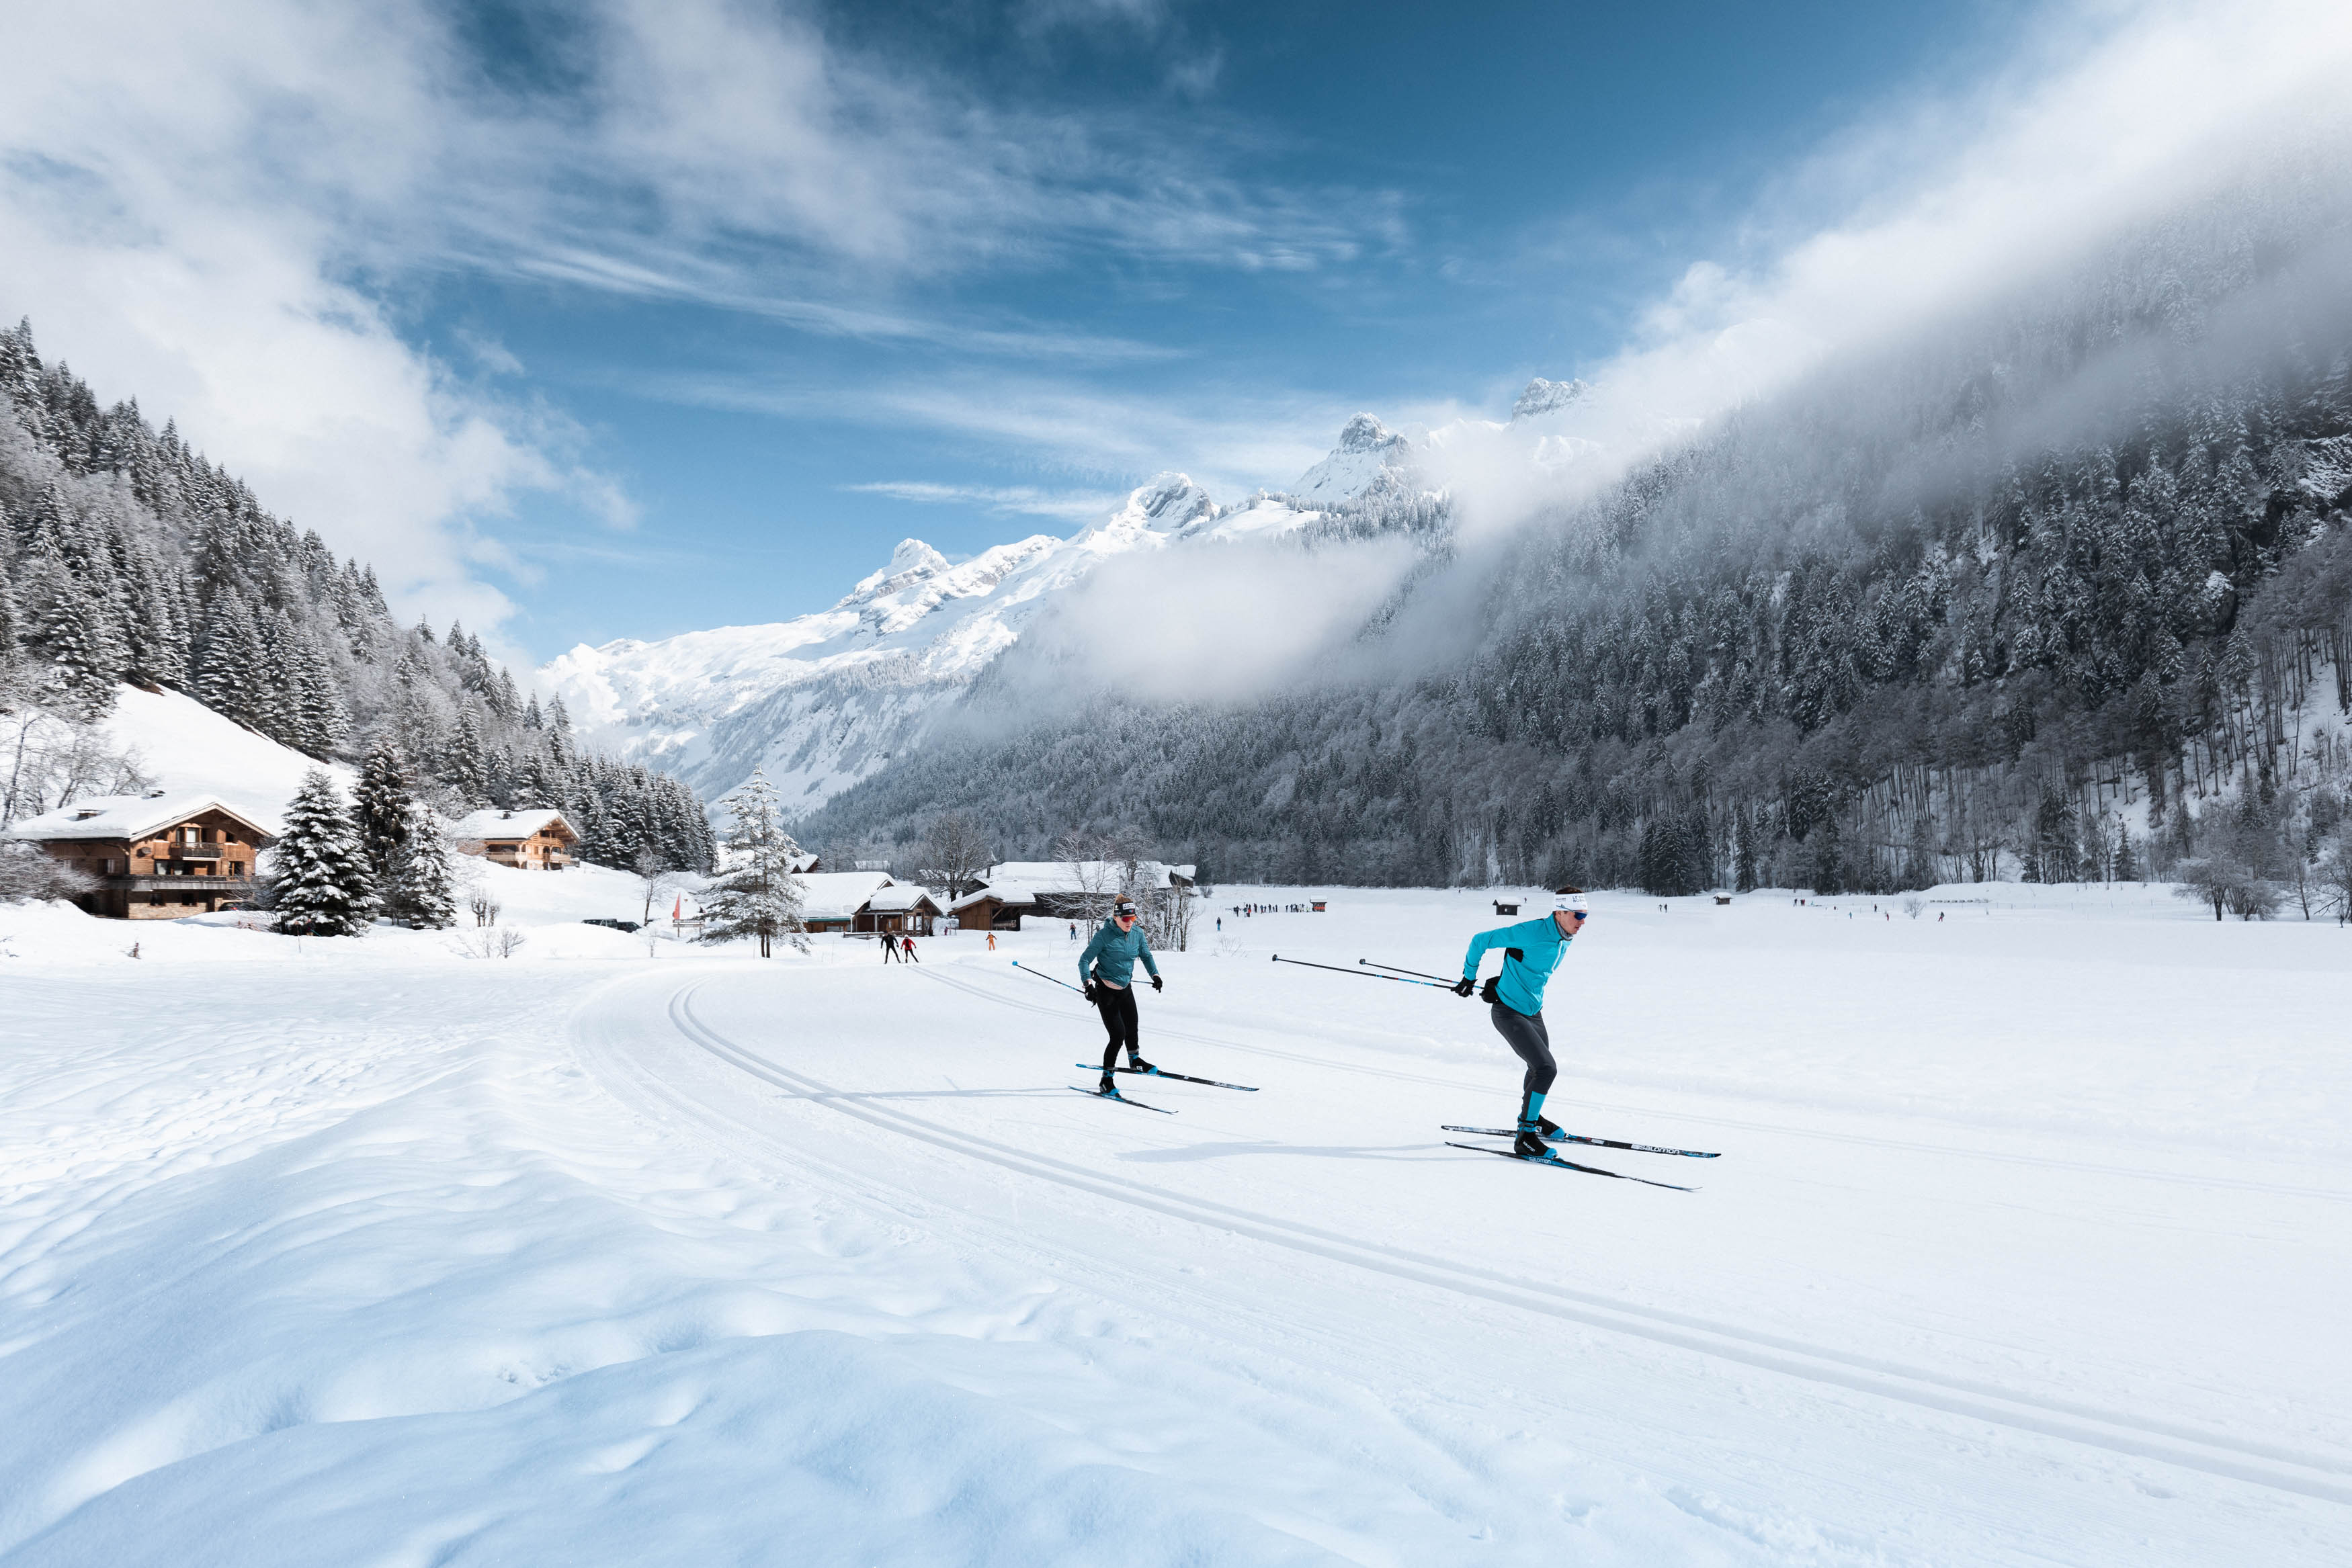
(930, 1180)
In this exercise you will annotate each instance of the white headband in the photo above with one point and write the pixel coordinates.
(1571, 902)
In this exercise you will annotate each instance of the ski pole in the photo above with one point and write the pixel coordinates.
(1425, 975)
(1047, 978)
(1359, 974)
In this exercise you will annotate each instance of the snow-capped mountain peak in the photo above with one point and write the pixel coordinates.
(1548, 397)
(1371, 462)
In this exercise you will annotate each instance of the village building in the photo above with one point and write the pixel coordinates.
(158, 856)
(534, 839)
(1009, 892)
(865, 902)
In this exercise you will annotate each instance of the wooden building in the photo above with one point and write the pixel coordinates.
(865, 902)
(536, 839)
(1012, 891)
(897, 910)
(158, 856)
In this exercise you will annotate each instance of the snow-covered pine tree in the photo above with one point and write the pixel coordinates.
(758, 896)
(320, 880)
(382, 808)
(424, 885)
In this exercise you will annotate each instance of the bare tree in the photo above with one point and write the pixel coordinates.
(955, 852)
(1091, 874)
(661, 879)
(29, 871)
(485, 908)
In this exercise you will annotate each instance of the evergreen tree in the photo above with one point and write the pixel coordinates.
(424, 885)
(384, 807)
(319, 882)
(757, 894)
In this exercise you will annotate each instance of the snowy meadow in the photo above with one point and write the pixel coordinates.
(2027, 1242)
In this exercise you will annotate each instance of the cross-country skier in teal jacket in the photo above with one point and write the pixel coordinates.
(1107, 969)
(1531, 951)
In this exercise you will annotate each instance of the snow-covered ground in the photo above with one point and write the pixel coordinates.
(2028, 1242)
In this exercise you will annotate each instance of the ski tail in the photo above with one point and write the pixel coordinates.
(1115, 1094)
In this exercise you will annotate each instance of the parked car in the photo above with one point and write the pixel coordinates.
(616, 925)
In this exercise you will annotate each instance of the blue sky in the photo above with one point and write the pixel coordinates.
(1424, 209)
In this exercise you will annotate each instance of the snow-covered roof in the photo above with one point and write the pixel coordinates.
(838, 894)
(1002, 892)
(898, 898)
(1038, 879)
(128, 817)
(495, 824)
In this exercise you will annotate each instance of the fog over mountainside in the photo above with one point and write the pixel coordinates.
(2062, 566)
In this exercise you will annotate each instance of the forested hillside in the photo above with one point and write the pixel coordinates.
(126, 556)
(2054, 589)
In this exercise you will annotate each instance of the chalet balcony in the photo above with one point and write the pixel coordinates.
(201, 886)
(198, 852)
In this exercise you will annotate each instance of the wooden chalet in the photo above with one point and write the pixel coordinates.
(535, 839)
(865, 901)
(158, 856)
(897, 910)
(1011, 890)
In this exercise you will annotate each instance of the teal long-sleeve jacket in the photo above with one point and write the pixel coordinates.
(1532, 951)
(1117, 952)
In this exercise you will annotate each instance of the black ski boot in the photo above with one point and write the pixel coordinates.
(1137, 1065)
(1529, 1144)
(1546, 1126)
(1107, 1087)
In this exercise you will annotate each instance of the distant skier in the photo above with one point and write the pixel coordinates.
(992, 941)
(907, 950)
(1108, 969)
(1531, 951)
(889, 948)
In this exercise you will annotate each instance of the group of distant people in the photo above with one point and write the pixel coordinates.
(901, 949)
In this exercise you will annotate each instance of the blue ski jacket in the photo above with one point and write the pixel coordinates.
(1117, 951)
(1533, 949)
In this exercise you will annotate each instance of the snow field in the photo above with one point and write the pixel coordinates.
(2027, 1244)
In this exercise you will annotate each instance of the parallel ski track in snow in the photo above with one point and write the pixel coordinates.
(2139, 1437)
(2049, 1162)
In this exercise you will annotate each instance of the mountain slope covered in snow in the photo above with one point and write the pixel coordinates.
(825, 700)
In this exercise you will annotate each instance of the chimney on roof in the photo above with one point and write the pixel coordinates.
(154, 794)
(87, 812)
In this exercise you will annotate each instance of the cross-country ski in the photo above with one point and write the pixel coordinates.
(1178, 1077)
(1561, 1137)
(1548, 1159)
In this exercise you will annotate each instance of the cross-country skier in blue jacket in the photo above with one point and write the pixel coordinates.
(1531, 951)
(1108, 969)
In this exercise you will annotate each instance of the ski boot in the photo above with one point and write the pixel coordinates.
(1137, 1065)
(1529, 1144)
(1549, 1129)
(1107, 1087)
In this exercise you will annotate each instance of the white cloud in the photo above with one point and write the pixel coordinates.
(209, 207)
(1012, 500)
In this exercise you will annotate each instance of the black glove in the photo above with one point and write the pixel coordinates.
(1465, 987)
(1155, 982)
(1093, 992)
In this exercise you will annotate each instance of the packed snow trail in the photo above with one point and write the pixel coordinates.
(2314, 1474)
(813, 1260)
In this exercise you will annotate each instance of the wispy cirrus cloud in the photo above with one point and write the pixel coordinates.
(223, 210)
(1007, 500)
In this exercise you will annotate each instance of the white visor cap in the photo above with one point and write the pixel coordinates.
(1564, 903)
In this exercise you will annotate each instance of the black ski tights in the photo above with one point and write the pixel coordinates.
(1532, 1042)
(1116, 1004)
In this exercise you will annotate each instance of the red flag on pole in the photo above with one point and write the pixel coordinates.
(677, 910)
